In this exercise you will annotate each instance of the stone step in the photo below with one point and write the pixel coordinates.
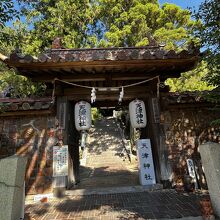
(105, 166)
(115, 190)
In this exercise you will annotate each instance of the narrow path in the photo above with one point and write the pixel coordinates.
(105, 167)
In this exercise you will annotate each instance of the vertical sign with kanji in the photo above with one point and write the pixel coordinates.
(156, 110)
(82, 115)
(145, 162)
(60, 161)
(137, 114)
(192, 171)
(62, 115)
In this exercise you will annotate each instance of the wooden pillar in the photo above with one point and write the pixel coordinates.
(73, 143)
(61, 182)
(145, 132)
(65, 116)
(152, 131)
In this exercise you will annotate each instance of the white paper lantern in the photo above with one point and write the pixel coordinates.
(137, 113)
(82, 115)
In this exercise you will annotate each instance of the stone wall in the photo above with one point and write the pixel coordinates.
(33, 136)
(183, 129)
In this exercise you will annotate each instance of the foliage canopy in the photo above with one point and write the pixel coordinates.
(102, 23)
(209, 33)
(95, 23)
(7, 11)
(191, 80)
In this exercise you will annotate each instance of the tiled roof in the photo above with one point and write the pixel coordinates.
(99, 64)
(102, 54)
(16, 104)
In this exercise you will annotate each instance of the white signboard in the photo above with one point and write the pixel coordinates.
(38, 197)
(192, 172)
(145, 162)
(60, 161)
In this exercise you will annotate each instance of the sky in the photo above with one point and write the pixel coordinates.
(183, 3)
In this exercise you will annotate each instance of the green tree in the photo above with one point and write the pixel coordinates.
(191, 80)
(101, 23)
(68, 19)
(209, 33)
(20, 86)
(7, 11)
(90, 23)
(132, 22)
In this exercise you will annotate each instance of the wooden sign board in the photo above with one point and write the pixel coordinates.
(156, 111)
(62, 115)
(60, 161)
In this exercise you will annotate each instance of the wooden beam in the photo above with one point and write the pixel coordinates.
(93, 77)
(130, 78)
(108, 80)
(108, 98)
(26, 113)
(70, 78)
(140, 70)
(112, 103)
(136, 90)
(106, 63)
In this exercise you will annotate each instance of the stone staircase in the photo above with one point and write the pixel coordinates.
(105, 166)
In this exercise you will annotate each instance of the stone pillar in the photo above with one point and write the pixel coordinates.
(210, 154)
(12, 172)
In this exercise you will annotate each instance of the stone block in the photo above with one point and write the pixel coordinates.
(12, 172)
(210, 154)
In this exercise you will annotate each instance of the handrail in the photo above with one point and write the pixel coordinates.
(122, 139)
